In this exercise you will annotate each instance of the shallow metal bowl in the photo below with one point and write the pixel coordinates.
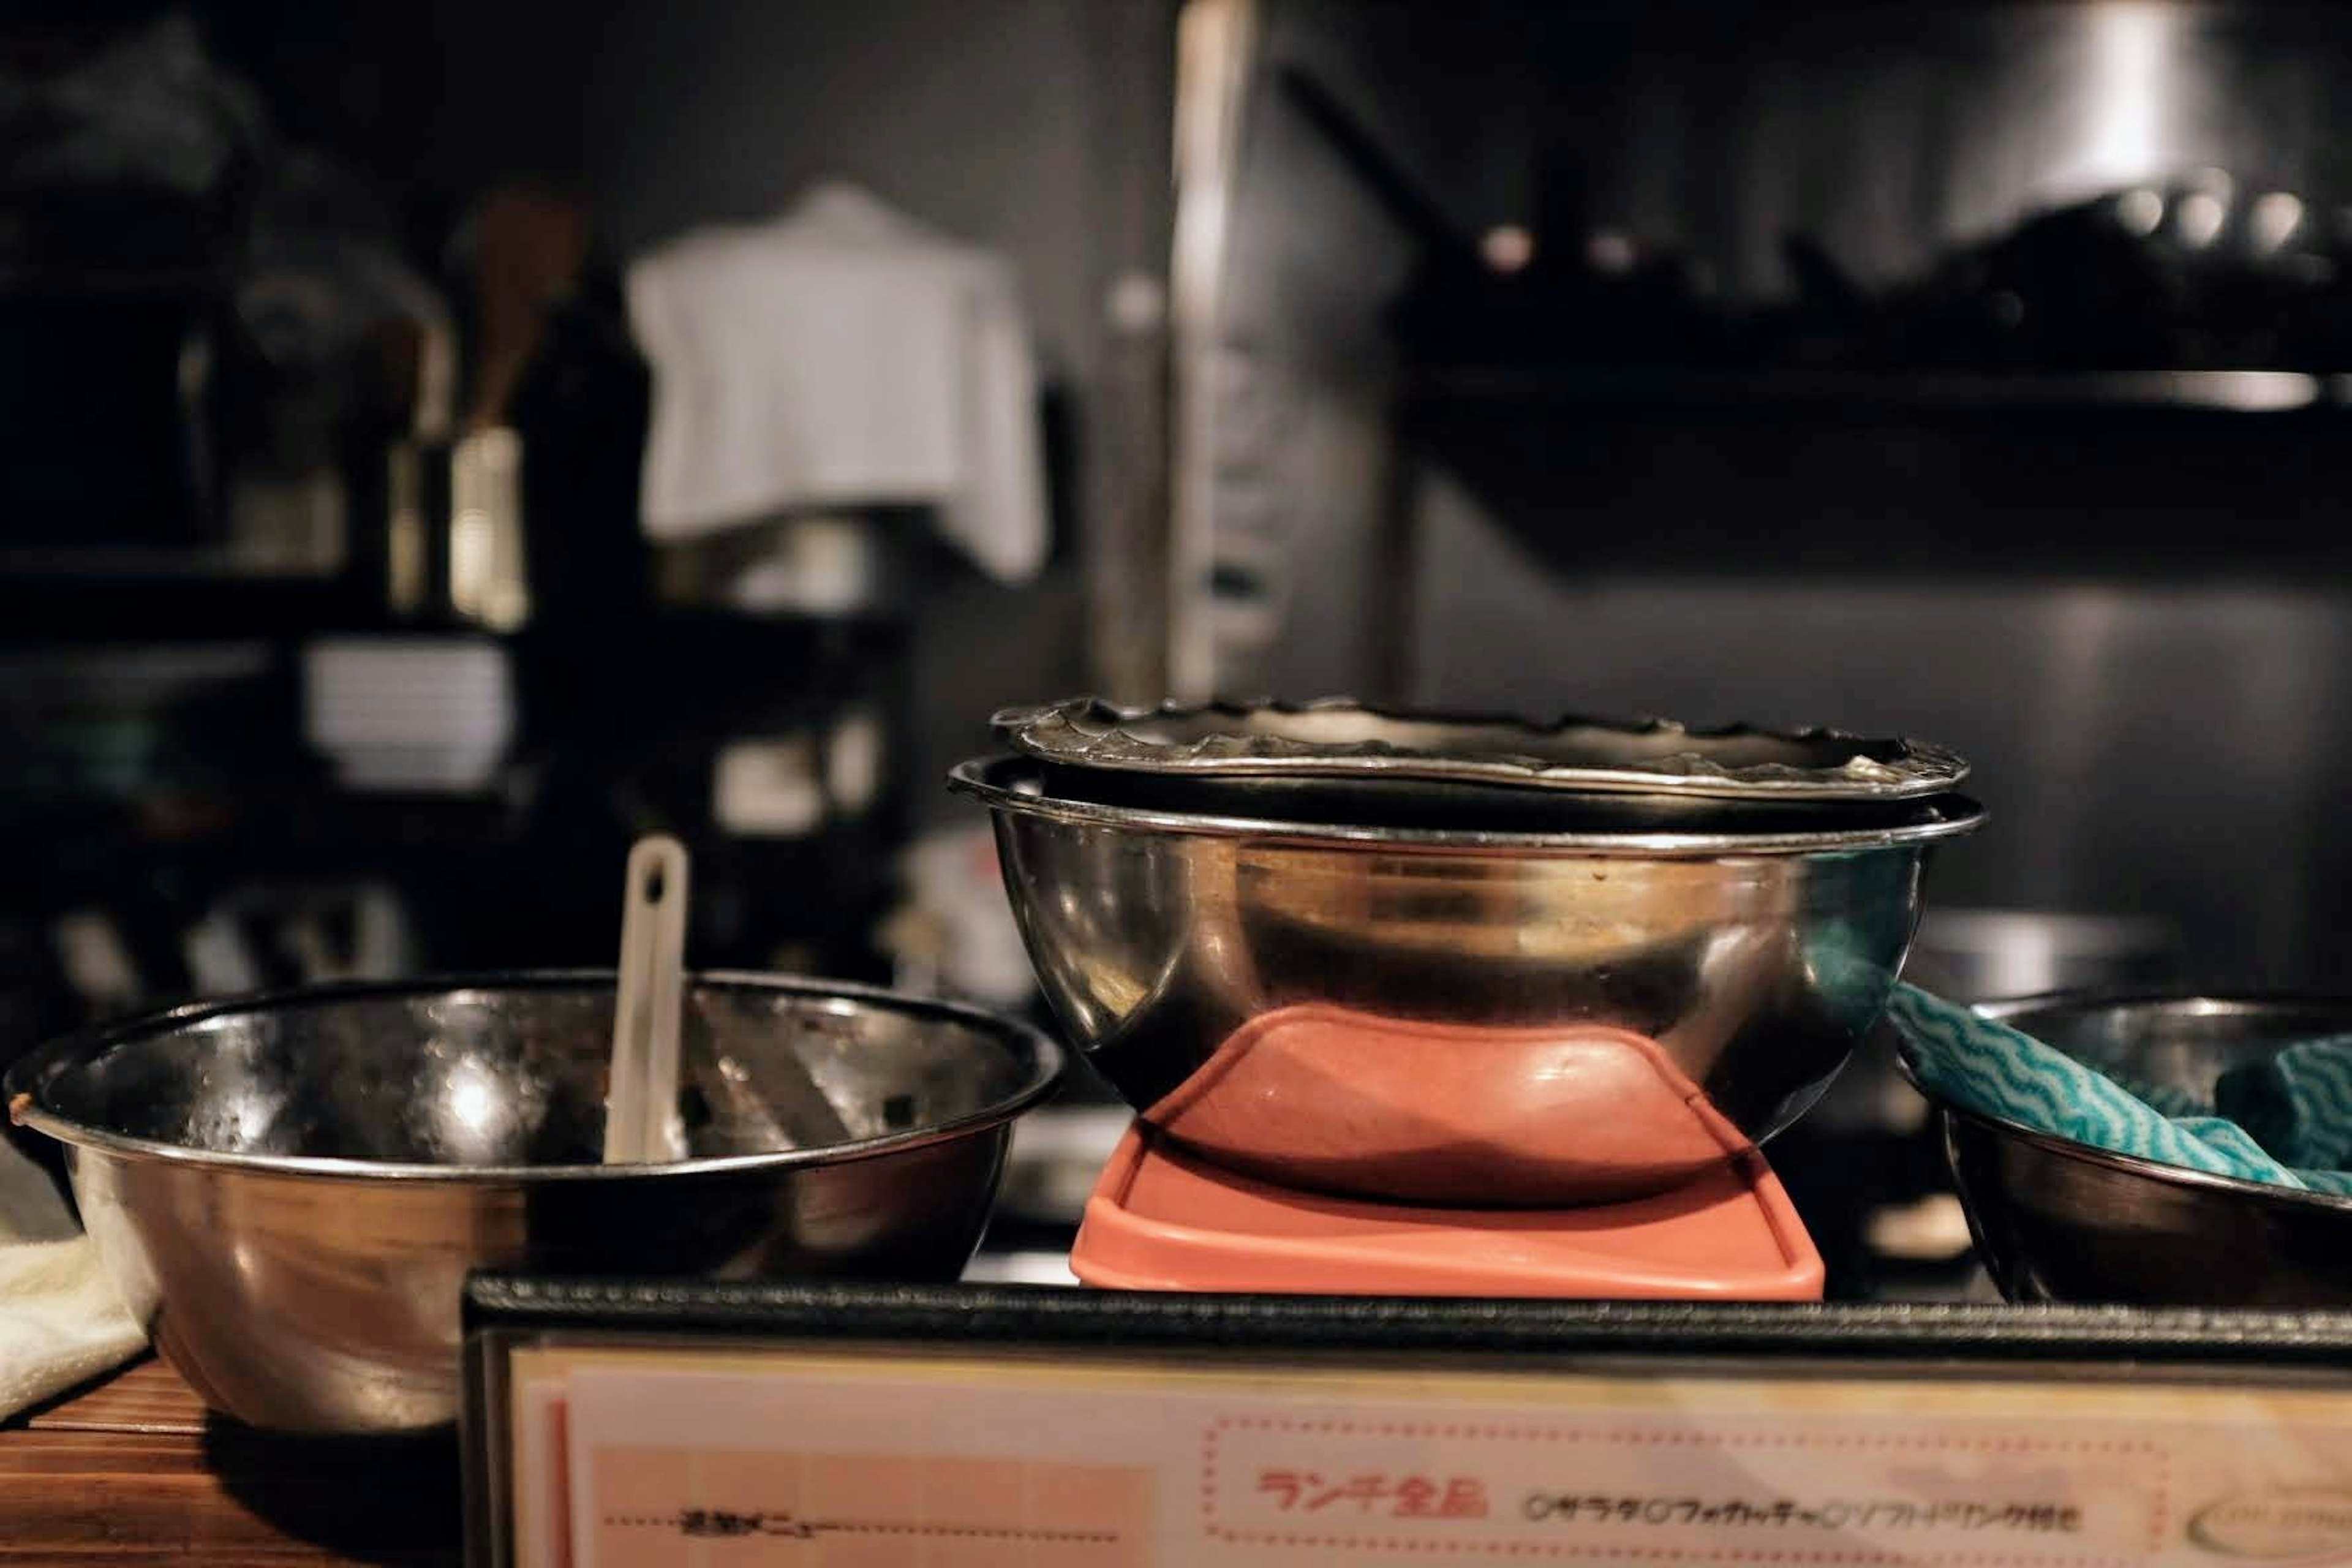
(1338, 739)
(1409, 803)
(1457, 1017)
(2055, 1220)
(291, 1189)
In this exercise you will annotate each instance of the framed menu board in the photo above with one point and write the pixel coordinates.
(614, 1424)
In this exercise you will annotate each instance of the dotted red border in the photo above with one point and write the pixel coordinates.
(1563, 1549)
(876, 1527)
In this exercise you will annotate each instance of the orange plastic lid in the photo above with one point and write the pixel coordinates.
(1161, 1220)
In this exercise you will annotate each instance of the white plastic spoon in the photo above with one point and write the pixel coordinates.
(641, 1120)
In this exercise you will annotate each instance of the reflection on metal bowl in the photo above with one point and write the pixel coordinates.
(1443, 1017)
(290, 1191)
(1456, 1101)
(2055, 1220)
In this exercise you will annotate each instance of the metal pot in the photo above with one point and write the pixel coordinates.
(2055, 1220)
(1457, 1017)
(290, 1191)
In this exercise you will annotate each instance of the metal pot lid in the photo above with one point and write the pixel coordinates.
(1339, 737)
(1010, 785)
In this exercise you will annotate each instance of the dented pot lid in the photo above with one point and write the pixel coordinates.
(1336, 738)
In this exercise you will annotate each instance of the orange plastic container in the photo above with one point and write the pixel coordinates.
(1162, 1220)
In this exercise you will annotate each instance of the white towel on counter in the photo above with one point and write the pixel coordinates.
(840, 355)
(60, 1321)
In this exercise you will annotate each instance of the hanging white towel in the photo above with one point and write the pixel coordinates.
(840, 355)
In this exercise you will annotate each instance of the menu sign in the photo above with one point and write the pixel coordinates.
(829, 1454)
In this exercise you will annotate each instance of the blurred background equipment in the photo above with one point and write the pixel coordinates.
(430, 469)
(412, 504)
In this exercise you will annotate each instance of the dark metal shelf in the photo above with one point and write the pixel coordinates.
(51, 606)
(2215, 391)
(1930, 478)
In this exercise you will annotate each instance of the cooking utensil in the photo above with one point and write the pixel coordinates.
(2056, 1220)
(531, 246)
(1340, 740)
(1449, 805)
(1476, 1019)
(288, 1191)
(1559, 297)
(641, 1120)
(453, 528)
(455, 538)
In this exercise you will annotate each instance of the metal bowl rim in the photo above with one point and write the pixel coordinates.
(2134, 1164)
(22, 1087)
(979, 779)
(1092, 731)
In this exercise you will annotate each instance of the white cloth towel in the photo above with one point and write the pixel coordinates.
(60, 1321)
(841, 355)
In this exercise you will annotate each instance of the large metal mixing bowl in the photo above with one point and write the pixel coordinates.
(290, 1191)
(2055, 1220)
(1455, 1017)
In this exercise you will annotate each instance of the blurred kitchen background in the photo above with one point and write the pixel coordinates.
(441, 442)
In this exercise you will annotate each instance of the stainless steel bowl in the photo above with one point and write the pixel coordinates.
(2055, 1220)
(290, 1191)
(1457, 1017)
(1338, 738)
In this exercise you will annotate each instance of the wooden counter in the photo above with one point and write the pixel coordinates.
(132, 1470)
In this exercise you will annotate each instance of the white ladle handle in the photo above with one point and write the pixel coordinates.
(641, 1106)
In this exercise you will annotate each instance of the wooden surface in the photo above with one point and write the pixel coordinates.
(132, 1470)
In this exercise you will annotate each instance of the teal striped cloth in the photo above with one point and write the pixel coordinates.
(2286, 1120)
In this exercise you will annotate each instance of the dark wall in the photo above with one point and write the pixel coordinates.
(2169, 751)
